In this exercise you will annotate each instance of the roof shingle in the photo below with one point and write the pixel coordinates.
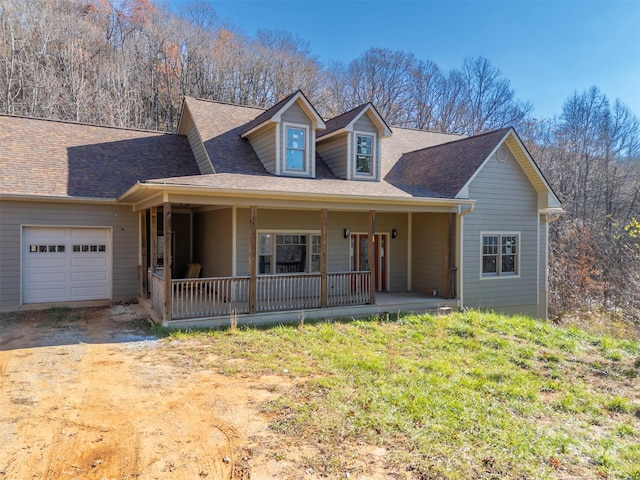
(63, 159)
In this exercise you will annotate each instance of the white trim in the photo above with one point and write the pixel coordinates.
(306, 171)
(373, 167)
(500, 234)
(409, 249)
(234, 239)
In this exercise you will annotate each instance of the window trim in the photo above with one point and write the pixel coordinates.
(306, 170)
(374, 154)
(274, 232)
(499, 274)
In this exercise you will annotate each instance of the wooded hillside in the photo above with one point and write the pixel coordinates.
(129, 63)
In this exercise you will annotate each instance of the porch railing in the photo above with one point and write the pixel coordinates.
(156, 284)
(213, 297)
(209, 297)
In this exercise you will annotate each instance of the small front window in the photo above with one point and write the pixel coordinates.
(296, 151)
(364, 154)
(500, 254)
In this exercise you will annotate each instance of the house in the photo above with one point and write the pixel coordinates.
(284, 212)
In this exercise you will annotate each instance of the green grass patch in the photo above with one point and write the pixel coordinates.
(469, 395)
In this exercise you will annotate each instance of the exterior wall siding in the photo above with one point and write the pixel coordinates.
(296, 114)
(195, 141)
(429, 252)
(264, 144)
(125, 242)
(338, 251)
(334, 152)
(213, 242)
(506, 202)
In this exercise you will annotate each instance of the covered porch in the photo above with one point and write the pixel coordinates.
(346, 261)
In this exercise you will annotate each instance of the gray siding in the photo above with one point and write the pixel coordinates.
(295, 114)
(338, 246)
(364, 124)
(429, 252)
(124, 224)
(264, 144)
(334, 152)
(195, 141)
(506, 202)
(213, 239)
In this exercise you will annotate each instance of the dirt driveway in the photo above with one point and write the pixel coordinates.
(96, 398)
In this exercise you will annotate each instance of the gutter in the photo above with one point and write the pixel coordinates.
(50, 198)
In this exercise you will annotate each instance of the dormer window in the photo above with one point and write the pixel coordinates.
(296, 151)
(364, 154)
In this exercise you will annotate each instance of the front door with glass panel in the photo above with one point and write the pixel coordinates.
(359, 257)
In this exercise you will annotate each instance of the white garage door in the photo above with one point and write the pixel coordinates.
(66, 264)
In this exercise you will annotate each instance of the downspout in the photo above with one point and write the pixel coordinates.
(460, 268)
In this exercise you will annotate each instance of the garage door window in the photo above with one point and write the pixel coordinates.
(46, 248)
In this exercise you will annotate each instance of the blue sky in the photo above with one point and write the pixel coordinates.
(547, 49)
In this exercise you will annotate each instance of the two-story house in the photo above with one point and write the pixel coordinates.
(284, 214)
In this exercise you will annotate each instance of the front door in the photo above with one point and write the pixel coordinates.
(359, 253)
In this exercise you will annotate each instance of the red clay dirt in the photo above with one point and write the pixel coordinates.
(97, 398)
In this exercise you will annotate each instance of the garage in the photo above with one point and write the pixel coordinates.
(65, 264)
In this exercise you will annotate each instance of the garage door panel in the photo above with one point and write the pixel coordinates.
(48, 278)
(47, 294)
(89, 276)
(84, 262)
(88, 293)
(49, 263)
(66, 264)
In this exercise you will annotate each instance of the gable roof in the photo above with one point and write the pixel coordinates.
(53, 158)
(346, 120)
(445, 168)
(273, 114)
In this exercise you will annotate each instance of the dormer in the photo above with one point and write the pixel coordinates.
(351, 143)
(284, 137)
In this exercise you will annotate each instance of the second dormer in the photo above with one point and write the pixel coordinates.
(284, 137)
(351, 143)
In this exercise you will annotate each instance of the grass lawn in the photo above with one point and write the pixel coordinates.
(469, 395)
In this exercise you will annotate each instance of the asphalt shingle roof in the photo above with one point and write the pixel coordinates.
(444, 168)
(62, 159)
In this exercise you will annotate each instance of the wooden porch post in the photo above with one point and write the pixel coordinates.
(143, 254)
(451, 253)
(168, 262)
(371, 257)
(154, 238)
(253, 224)
(323, 258)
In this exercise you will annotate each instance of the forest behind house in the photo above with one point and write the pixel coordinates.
(129, 63)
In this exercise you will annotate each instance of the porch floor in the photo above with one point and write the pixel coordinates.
(386, 302)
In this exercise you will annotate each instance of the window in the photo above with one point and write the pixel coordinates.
(288, 253)
(364, 155)
(295, 157)
(500, 254)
